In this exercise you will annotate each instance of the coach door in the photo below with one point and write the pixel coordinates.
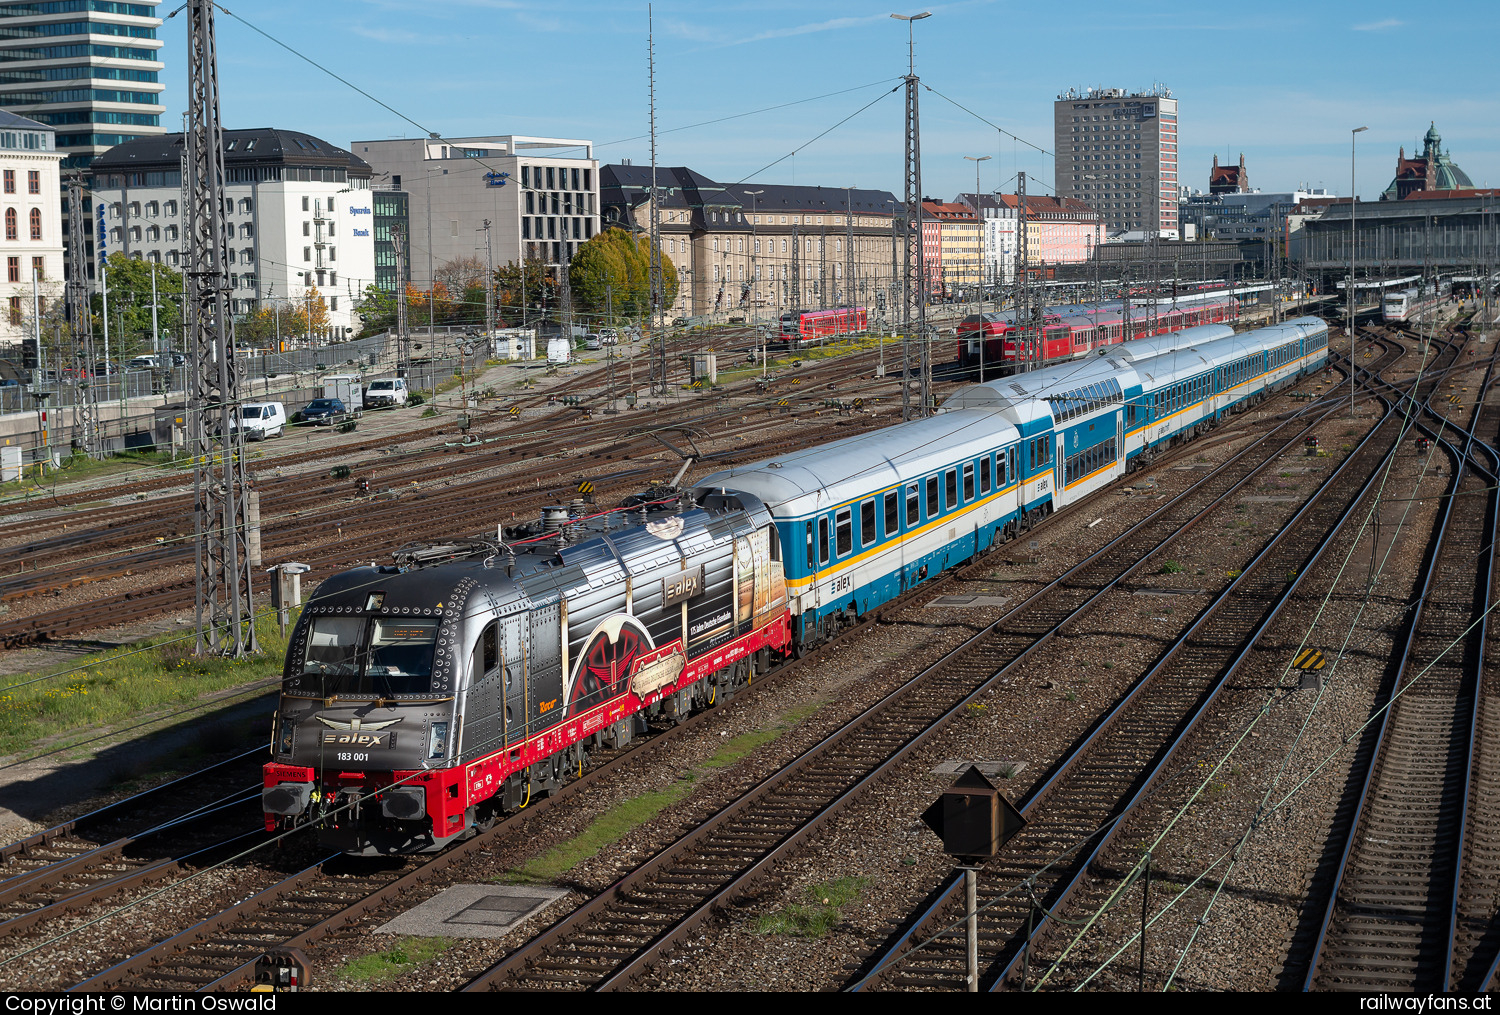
(1120, 438)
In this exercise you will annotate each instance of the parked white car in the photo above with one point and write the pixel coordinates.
(260, 420)
(385, 392)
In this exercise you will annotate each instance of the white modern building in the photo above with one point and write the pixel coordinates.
(540, 195)
(300, 216)
(32, 242)
(999, 213)
(86, 67)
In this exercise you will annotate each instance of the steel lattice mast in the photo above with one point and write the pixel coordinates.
(219, 488)
(658, 288)
(81, 318)
(914, 274)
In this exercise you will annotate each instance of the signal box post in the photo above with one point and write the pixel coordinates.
(974, 820)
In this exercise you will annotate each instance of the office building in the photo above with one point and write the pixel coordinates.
(1117, 152)
(300, 216)
(540, 195)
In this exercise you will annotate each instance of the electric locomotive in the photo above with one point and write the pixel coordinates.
(422, 699)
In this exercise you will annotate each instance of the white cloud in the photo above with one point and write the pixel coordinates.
(1379, 26)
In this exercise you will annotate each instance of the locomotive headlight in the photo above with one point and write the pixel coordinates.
(284, 741)
(437, 741)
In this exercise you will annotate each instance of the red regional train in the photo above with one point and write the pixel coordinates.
(823, 323)
(1072, 332)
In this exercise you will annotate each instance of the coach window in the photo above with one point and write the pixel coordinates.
(1000, 469)
(968, 481)
(892, 513)
(913, 505)
(984, 474)
(823, 540)
(950, 489)
(844, 529)
(866, 522)
(933, 508)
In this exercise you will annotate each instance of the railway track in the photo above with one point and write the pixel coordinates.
(613, 940)
(219, 952)
(468, 508)
(1392, 917)
(135, 841)
(1084, 805)
(1079, 818)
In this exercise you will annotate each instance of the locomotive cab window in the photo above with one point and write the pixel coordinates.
(843, 527)
(401, 654)
(487, 653)
(333, 647)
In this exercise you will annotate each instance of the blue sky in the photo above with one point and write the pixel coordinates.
(1281, 81)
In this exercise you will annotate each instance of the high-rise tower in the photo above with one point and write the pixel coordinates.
(88, 69)
(1118, 152)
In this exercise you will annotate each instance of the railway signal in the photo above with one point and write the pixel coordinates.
(974, 820)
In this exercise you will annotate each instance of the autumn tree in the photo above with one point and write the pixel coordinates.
(309, 314)
(539, 290)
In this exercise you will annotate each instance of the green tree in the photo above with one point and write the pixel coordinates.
(377, 309)
(129, 284)
(618, 264)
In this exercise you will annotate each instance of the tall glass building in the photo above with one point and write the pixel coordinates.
(89, 68)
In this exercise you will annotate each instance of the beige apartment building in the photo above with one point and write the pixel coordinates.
(761, 250)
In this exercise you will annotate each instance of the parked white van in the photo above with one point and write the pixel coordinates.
(261, 420)
(386, 391)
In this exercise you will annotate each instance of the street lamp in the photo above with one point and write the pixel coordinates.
(1352, 201)
(979, 215)
(911, 45)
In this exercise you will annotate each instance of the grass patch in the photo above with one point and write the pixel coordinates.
(1170, 567)
(818, 914)
(605, 830)
(739, 746)
(386, 965)
(626, 816)
(81, 467)
(156, 675)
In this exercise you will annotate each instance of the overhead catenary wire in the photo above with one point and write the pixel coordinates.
(1257, 819)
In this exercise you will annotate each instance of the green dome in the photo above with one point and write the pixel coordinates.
(1445, 175)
